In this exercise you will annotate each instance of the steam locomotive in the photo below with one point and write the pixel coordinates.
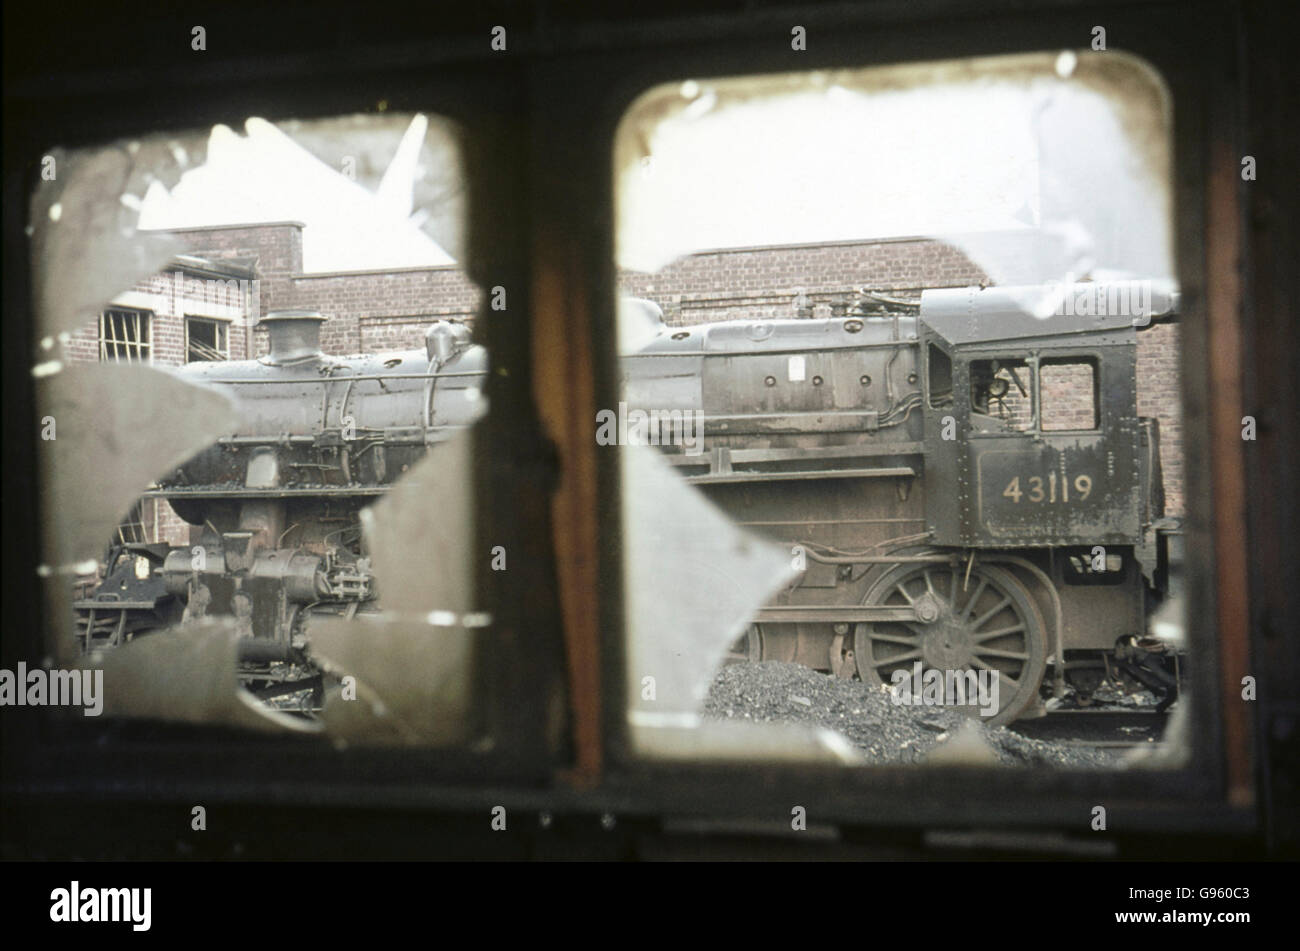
(965, 485)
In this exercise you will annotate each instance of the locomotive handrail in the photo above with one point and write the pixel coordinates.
(286, 492)
(796, 475)
(821, 345)
(880, 559)
(822, 452)
(417, 436)
(340, 379)
(426, 398)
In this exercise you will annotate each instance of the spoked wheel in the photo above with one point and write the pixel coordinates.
(748, 649)
(988, 623)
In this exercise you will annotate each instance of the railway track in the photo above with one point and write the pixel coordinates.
(1108, 728)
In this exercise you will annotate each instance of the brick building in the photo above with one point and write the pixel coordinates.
(194, 309)
(390, 309)
(367, 310)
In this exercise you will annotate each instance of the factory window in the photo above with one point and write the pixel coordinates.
(133, 528)
(206, 339)
(126, 335)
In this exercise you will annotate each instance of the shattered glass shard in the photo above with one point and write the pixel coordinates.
(695, 579)
(101, 458)
(413, 669)
(186, 675)
(420, 533)
(85, 244)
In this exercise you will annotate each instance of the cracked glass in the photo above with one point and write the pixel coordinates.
(266, 524)
(848, 534)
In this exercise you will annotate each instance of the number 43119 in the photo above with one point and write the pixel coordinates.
(1046, 490)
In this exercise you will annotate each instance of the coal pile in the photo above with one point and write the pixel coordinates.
(883, 731)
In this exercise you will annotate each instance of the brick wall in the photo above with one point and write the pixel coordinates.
(785, 281)
(390, 310)
(170, 297)
(1069, 396)
(275, 250)
(384, 310)
(366, 310)
(1159, 389)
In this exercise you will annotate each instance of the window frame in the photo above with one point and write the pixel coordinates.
(147, 345)
(554, 250)
(223, 325)
(1094, 363)
(1214, 764)
(932, 344)
(1030, 360)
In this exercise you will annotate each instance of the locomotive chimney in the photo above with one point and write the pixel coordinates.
(293, 335)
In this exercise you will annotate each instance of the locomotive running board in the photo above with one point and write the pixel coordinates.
(282, 492)
(835, 613)
(724, 464)
(794, 475)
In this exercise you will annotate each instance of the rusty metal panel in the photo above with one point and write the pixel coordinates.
(1027, 491)
(945, 459)
(1093, 616)
(1062, 488)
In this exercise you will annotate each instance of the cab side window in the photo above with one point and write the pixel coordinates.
(1068, 393)
(1003, 389)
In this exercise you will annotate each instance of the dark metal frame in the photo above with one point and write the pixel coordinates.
(539, 126)
(915, 796)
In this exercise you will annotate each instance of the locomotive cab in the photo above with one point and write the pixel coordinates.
(1032, 433)
(1037, 460)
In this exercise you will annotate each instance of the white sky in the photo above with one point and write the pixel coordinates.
(1016, 153)
(266, 176)
(836, 165)
(1040, 156)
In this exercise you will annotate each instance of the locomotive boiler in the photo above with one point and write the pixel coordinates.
(965, 486)
(949, 508)
(275, 503)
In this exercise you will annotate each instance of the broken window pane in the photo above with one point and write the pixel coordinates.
(206, 340)
(281, 486)
(869, 292)
(125, 335)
